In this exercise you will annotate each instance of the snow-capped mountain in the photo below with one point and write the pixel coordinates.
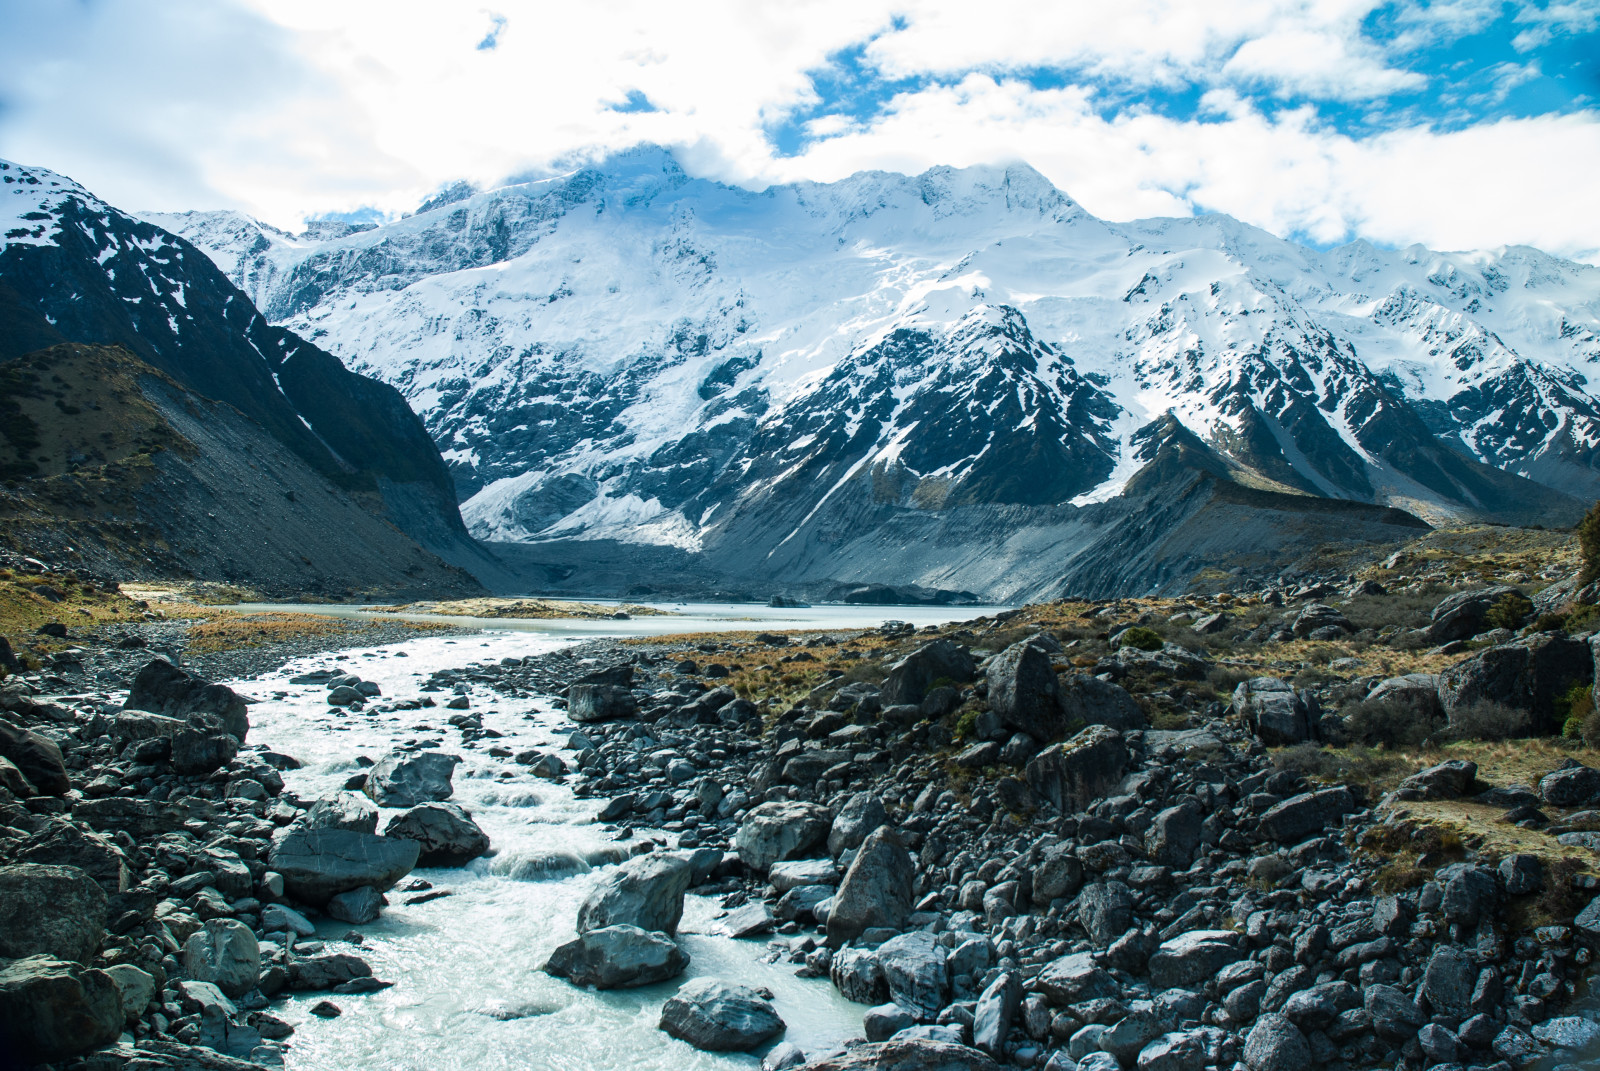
(627, 353)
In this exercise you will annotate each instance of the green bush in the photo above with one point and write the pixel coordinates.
(1509, 611)
(1583, 619)
(1589, 545)
(1578, 707)
(1138, 636)
(1488, 720)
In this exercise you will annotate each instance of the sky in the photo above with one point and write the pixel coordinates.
(1459, 124)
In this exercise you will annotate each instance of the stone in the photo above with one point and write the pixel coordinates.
(1278, 715)
(407, 780)
(1105, 910)
(1448, 980)
(913, 967)
(1316, 616)
(1522, 874)
(317, 864)
(1395, 1016)
(1439, 1045)
(749, 921)
(1087, 700)
(907, 1054)
(200, 750)
(163, 688)
(587, 703)
(1449, 780)
(1470, 893)
(1570, 786)
(1528, 674)
(996, 1009)
(1276, 1044)
(912, 677)
(135, 987)
(325, 971)
(1174, 835)
(1074, 978)
(446, 832)
(1191, 959)
(804, 902)
(342, 810)
(646, 891)
(64, 844)
(786, 876)
(1057, 874)
(885, 1021)
(617, 957)
(51, 1009)
(855, 973)
(876, 890)
(1515, 1046)
(13, 781)
(357, 906)
(1023, 691)
(1464, 614)
(861, 814)
(343, 695)
(1416, 691)
(58, 911)
(287, 919)
(716, 1017)
(1572, 1032)
(1074, 774)
(1309, 813)
(782, 829)
(36, 757)
(225, 953)
(1179, 1050)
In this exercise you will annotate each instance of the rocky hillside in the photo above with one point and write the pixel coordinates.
(763, 379)
(114, 467)
(75, 269)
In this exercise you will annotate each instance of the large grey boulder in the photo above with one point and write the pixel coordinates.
(1448, 981)
(224, 953)
(202, 748)
(318, 864)
(1073, 774)
(1309, 813)
(1023, 692)
(617, 957)
(1417, 691)
(37, 758)
(51, 1009)
(792, 875)
(646, 891)
(860, 815)
(1276, 1044)
(1315, 617)
(357, 906)
(782, 829)
(1465, 613)
(163, 688)
(1448, 780)
(407, 780)
(876, 891)
(600, 702)
(913, 967)
(1105, 910)
(1528, 674)
(1278, 715)
(1058, 873)
(997, 1007)
(1191, 959)
(911, 678)
(1571, 785)
(1087, 700)
(446, 832)
(855, 973)
(906, 1054)
(65, 844)
(1075, 978)
(717, 1017)
(1174, 835)
(342, 810)
(135, 986)
(58, 911)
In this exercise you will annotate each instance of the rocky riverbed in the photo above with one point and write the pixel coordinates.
(975, 835)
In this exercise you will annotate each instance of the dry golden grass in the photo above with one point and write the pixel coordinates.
(214, 630)
(23, 609)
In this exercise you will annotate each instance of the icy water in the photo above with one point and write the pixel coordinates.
(469, 993)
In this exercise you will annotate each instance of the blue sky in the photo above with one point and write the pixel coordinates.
(1465, 123)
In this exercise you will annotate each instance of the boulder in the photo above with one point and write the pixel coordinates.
(1105, 910)
(885, 1021)
(912, 677)
(906, 1054)
(324, 971)
(1449, 780)
(163, 688)
(1277, 714)
(1087, 700)
(201, 749)
(1448, 981)
(646, 891)
(617, 957)
(318, 864)
(1023, 692)
(855, 973)
(1191, 959)
(1309, 813)
(716, 1017)
(1074, 774)
(1276, 1044)
(446, 832)
(357, 906)
(1174, 835)
(1529, 674)
(786, 876)
(407, 780)
(913, 967)
(1058, 873)
(876, 891)
(286, 919)
(224, 953)
(12, 780)
(861, 814)
(600, 702)
(1572, 785)
(36, 757)
(136, 987)
(997, 1007)
(58, 911)
(64, 844)
(1465, 614)
(1316, 616)
(1417, 691)
(51, 1009)
(137, 725)
(782, 829)
(342, 810)
(1075, 978)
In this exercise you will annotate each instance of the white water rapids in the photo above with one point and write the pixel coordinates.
(468, 992)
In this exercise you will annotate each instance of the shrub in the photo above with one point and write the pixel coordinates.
(1389, 723)
(1488, 720)
(1550, 622)
(1583, 619)
(1589, 545)
(1144, 639)
(1509, 611)
(1226, 678)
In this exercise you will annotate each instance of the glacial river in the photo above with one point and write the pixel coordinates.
(468, 991)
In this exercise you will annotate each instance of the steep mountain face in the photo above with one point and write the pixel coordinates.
(112, 465)
(72, 268)
(624, 353)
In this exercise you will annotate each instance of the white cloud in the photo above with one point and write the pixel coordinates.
(291, 107)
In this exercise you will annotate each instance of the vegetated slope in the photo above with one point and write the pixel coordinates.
(113, 466)
(74, 269)
(627, 354)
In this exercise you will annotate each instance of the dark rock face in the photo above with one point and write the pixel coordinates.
(407, 780)
(1572, 785)
(65, 845)
(1309, 813)
(1447, 780)
(1074, 774)
(446, 832)
(162, 688)
(57, 911)
(1023, 691)
(876, 890)
(202, 750)
(1464, 614)
(1275, 712)
(716, 1017)
(1087, 700)
(1527, 674)
(617, 957)
(646, 891)
(51, 1009)
(318, 864)
(36, 757)
(911, 678)
(600, 702)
